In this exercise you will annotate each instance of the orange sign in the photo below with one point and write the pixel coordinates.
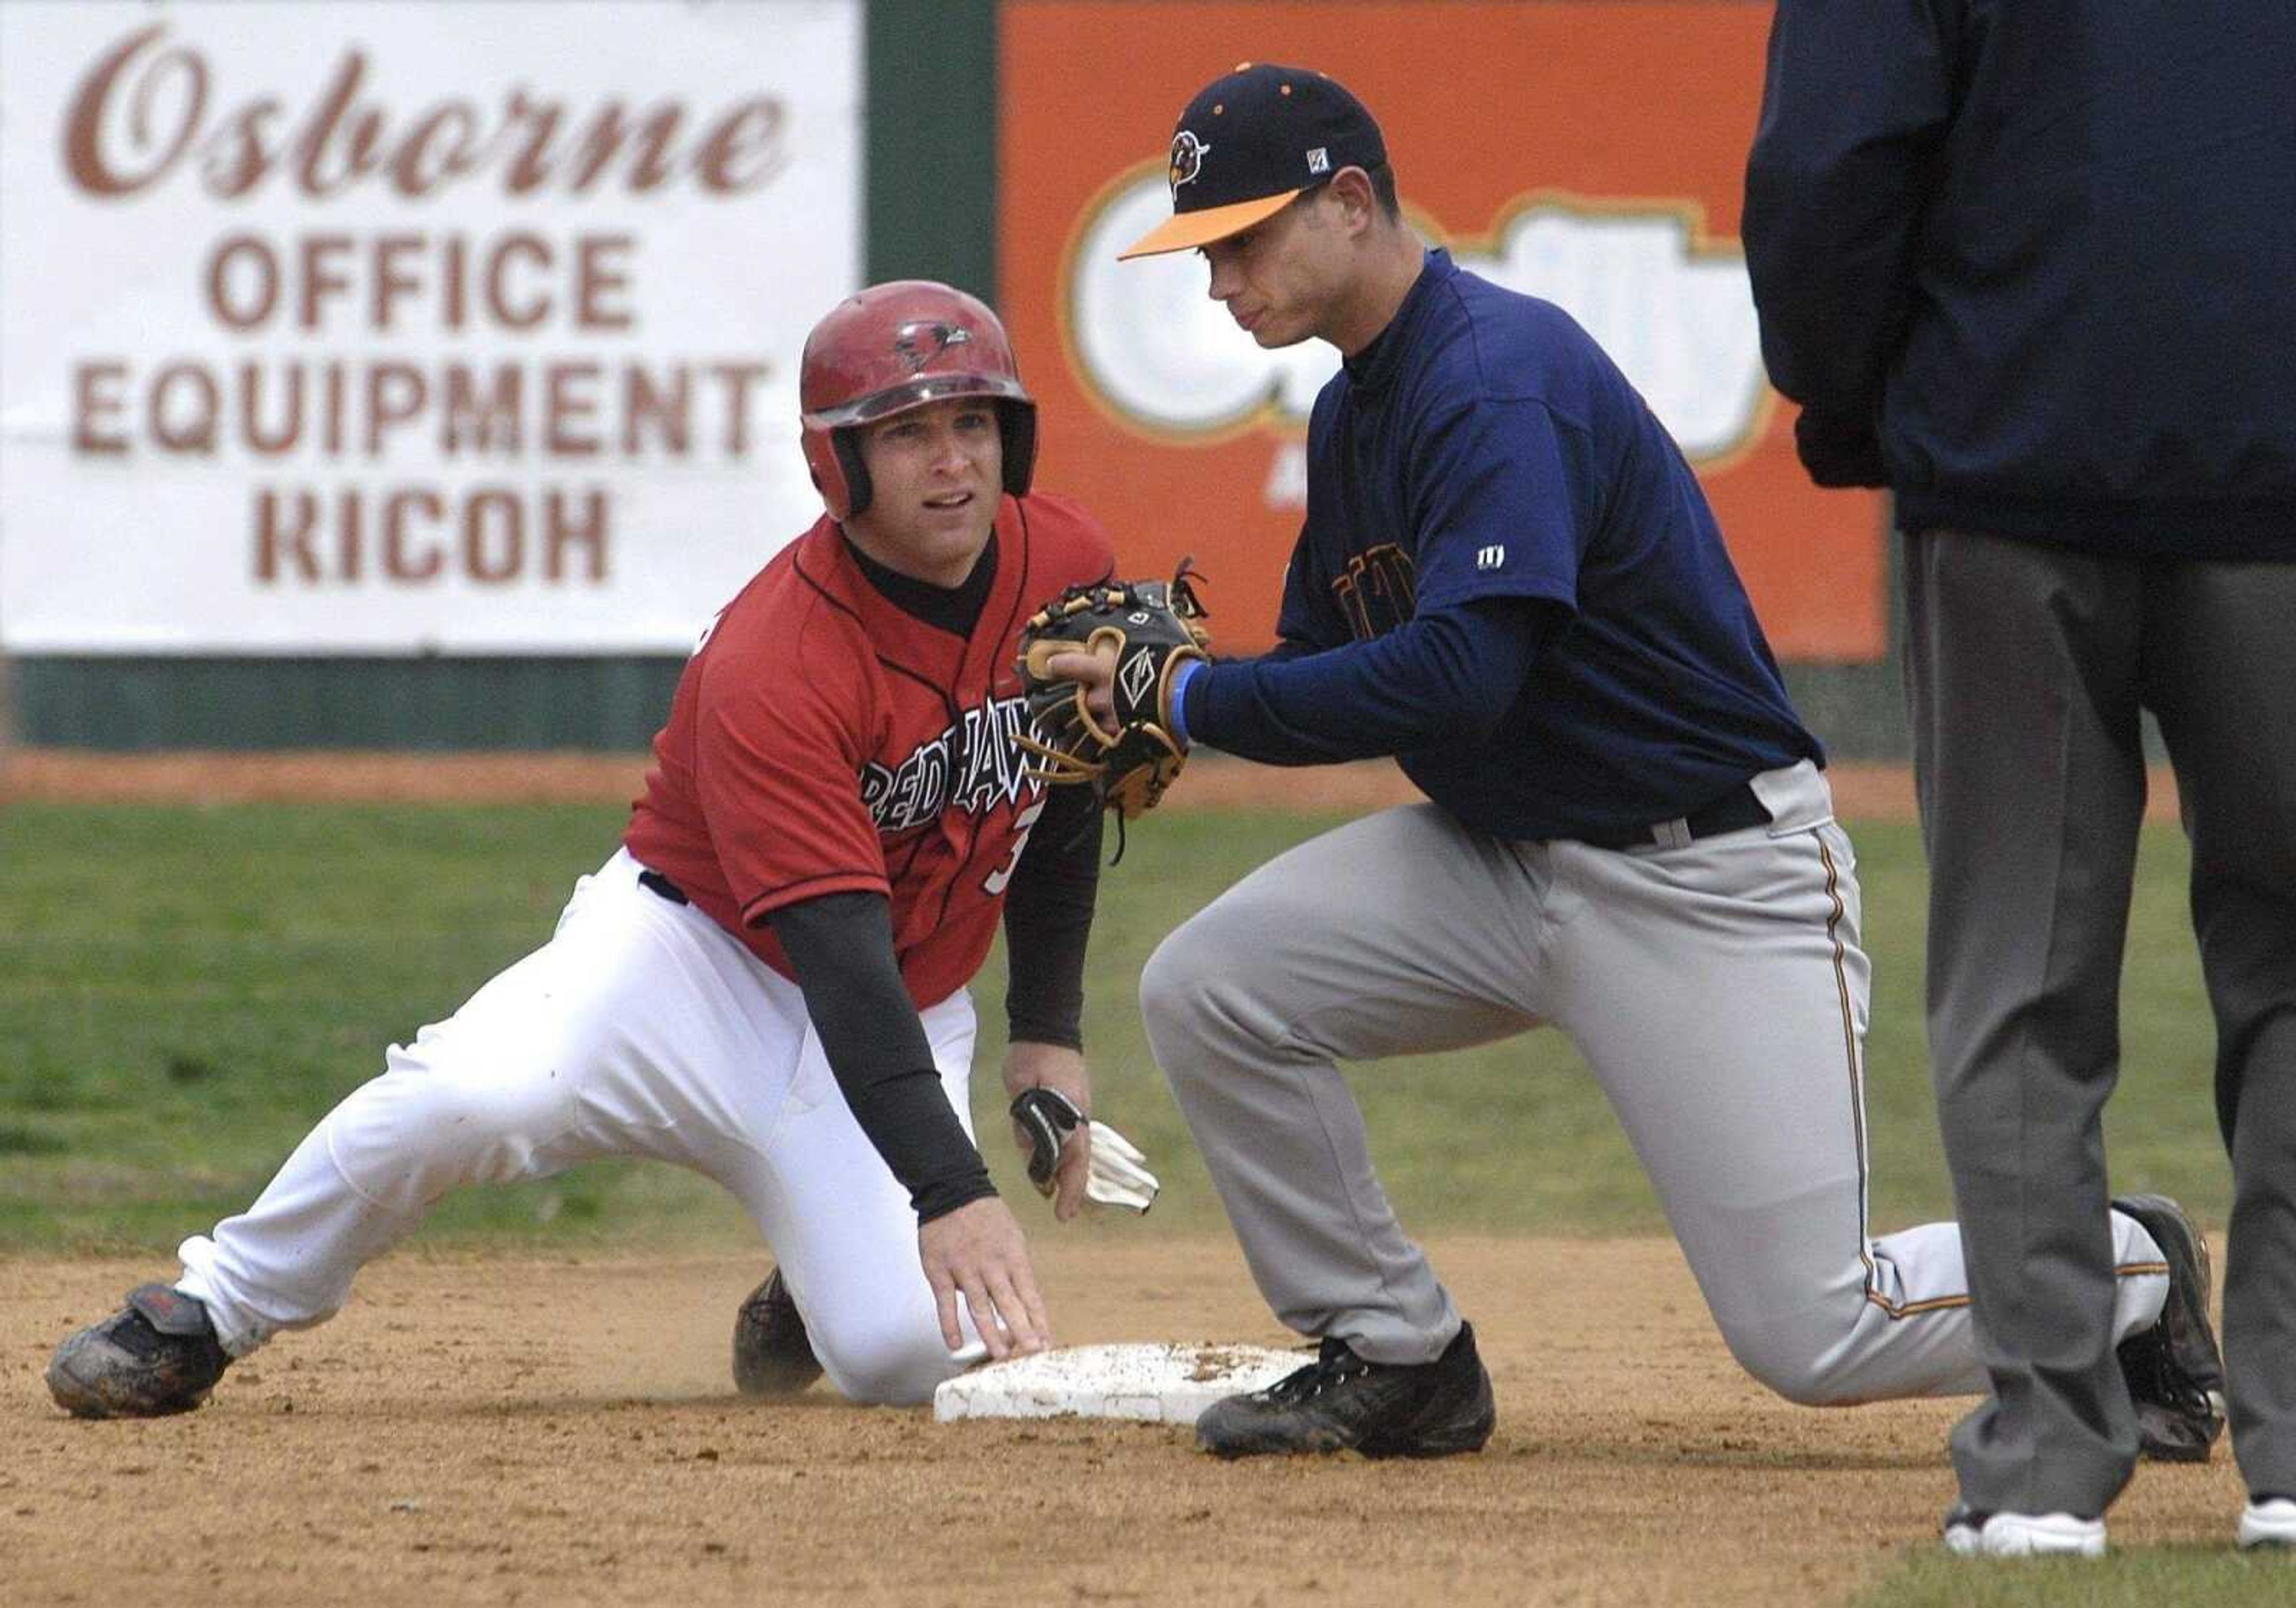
(1587, 152)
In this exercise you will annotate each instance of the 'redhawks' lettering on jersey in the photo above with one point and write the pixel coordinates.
(899, 772)
(971, 766)
(1375, 592)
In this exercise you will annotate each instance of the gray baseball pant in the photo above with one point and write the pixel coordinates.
(1717, 989)
(2026, 666)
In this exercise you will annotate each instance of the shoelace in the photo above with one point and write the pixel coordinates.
(141, 1340)
(1334, 1364)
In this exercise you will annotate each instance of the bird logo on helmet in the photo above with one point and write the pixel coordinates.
(893, 348)
(922, 342)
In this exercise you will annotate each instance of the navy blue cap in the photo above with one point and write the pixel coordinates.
(1251, 141)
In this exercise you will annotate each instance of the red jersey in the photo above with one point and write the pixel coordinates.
(822, 740)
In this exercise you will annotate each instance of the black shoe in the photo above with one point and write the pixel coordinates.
(157, 1355)
(772, 1354)
(1340, 1402)
(2175, 1370)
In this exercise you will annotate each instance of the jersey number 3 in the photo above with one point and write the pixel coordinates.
(1001, 879)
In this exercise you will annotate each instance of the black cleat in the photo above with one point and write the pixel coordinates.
(157, 1355)
(772, 1353)
(1340, 1402)
(2175, 1370)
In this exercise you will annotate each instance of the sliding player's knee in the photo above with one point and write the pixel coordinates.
(883, 1359)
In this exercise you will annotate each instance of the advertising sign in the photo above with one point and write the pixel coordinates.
(410, 327)
(1590, 153)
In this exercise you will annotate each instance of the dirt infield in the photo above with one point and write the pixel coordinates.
(564, 1431)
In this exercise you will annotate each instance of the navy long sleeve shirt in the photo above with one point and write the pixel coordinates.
(1509, 579)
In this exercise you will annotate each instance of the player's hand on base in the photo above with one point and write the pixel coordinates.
(1028, 1066)
(979, 1250)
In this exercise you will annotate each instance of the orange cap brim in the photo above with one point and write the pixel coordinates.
(1185, 230)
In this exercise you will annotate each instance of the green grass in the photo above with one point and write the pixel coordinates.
(2156, 1577)
(184, 991)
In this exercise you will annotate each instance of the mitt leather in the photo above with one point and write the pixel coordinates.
(1147, 629)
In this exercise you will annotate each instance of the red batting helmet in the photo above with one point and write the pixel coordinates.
(893, 348)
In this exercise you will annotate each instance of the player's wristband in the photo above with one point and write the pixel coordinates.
(1180, 680)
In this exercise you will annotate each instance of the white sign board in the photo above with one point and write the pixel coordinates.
(391, 327)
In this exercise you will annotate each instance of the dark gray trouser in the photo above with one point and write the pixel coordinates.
(2026, 666)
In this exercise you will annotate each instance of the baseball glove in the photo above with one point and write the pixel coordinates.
(1151, 627)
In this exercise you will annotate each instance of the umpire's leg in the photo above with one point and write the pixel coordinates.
(1393, 934)
(2022, 664)
(2221, 668)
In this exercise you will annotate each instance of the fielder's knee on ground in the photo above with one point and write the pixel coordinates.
(1812, 1360)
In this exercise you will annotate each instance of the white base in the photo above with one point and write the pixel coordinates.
(1160, 1383)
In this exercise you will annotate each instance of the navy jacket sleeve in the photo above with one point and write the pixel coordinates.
(1856, 105)
(1448, 674)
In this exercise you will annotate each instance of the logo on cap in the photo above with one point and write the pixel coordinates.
(1187, 158)
(1319, 160)
(922, 341)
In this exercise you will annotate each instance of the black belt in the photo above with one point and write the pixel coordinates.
(1734, 812)
(661, 886)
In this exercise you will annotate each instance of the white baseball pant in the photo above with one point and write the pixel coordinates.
(641, 1029)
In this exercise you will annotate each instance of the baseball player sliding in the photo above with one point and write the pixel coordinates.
(766, 981)
(1509, 578)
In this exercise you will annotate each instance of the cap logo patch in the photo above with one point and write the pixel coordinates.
(924, 339)
(1187, 158)
(1319, 160)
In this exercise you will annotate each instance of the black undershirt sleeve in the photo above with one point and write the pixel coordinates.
(841, 945)
(1048, 918)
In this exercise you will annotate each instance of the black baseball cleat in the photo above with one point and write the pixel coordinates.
(1340, 1402)
(157, 1355)
(2175, 1371)
(773, 1355)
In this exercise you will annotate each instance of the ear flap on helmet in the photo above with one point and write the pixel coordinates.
(846, 445)
(1018, 423)
(822, 464)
